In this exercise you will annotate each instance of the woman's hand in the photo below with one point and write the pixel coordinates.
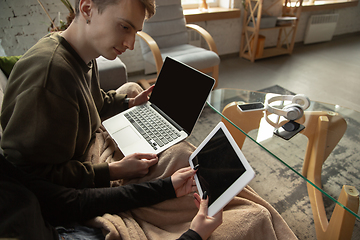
(132, 166)
(183, 181)
(202, 223)
(141, 98)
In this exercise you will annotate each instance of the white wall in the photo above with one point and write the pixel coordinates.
(23, 22)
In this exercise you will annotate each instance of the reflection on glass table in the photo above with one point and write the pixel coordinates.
(324, 132)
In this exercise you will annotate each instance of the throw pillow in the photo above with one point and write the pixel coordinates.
(7, 64)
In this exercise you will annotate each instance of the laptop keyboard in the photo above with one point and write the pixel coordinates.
(153, 128)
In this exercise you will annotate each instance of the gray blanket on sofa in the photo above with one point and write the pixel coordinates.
(247, 216)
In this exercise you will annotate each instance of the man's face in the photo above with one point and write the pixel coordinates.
(114, 30)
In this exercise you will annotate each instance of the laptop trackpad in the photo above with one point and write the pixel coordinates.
(126, 136)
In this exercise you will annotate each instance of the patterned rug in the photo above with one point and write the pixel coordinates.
(283, 188)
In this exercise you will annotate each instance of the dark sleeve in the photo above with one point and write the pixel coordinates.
(190, 235)
(62, 205)
(109, 102)
(21, 216)
(113, 104)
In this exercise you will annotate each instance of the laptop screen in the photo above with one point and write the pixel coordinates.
(181, 92)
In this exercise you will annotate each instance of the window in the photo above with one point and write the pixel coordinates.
(195, 3)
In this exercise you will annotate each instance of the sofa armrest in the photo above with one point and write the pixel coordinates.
(112, 73)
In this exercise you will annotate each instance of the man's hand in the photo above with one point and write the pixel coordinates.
(202, 223)
(132, 166)
(141, 98)
(183, 181)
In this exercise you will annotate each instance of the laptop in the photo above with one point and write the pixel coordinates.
(175, 104)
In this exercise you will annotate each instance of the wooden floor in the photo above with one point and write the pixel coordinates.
(326, 72)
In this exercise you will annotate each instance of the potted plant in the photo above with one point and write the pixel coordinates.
(63, 25)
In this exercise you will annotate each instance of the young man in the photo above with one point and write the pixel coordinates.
(53, 105)
(51, 117)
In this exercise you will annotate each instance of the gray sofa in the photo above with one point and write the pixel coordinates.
(112, 73)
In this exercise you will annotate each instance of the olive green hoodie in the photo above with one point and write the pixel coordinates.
(52, 107)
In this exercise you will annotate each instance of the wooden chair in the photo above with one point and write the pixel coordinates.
(252, 43)
(166, 34)
(323, 130)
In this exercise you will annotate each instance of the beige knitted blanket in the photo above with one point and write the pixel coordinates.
(247, 216)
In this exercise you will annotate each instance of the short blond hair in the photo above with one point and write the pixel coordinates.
(102, 4)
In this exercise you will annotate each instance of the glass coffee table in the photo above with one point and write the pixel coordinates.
(330, 133)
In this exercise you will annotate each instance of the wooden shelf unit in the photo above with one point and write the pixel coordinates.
(286, 35)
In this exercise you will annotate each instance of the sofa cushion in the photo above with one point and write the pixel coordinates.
(3, 81)
(7, 63)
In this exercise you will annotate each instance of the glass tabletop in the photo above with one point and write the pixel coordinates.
(330, 135)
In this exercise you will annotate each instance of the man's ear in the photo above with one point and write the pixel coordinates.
(86, 8)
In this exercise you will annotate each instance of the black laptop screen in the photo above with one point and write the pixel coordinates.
(181, 92)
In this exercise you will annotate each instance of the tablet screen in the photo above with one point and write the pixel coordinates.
(219, 166)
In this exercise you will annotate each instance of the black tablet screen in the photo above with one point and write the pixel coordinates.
(219, 166)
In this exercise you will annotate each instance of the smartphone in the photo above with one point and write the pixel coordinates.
(289, 130)
(251, 106)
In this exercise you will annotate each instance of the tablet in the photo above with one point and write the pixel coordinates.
(223, 170)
